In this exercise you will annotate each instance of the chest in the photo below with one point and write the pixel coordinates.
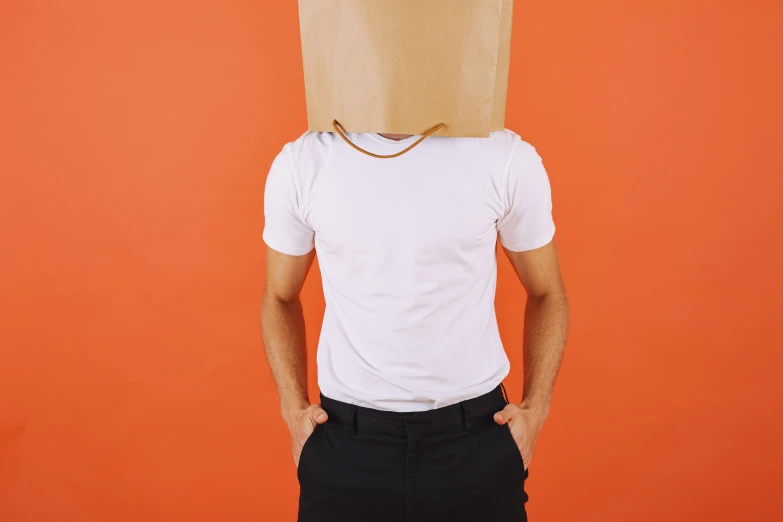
(421, 212)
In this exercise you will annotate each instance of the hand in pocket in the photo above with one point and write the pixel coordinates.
(525, 425)
(301, 424)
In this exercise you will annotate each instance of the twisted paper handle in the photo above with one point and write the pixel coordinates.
(338, 128)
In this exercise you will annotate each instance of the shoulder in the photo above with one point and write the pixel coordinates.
(504, 146)
(299, 161)
(505, 143)
(309, 151)
(512, 144)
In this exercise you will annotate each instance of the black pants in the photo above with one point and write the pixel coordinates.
(448, 464)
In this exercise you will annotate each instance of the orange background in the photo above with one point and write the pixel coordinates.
(136, 137)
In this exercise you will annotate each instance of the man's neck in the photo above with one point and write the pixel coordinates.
(395, 136)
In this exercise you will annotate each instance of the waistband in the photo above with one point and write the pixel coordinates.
(476, 410)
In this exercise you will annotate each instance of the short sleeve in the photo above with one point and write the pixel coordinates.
(284, 228)
(527, 223)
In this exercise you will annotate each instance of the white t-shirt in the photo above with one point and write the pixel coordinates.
(407, 252)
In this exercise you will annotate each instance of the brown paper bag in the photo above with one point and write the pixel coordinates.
(404, 66)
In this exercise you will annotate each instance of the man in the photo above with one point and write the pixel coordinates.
(413, 422)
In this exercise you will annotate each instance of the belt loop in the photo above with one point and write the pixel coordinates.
(355, 420)
(465, 416)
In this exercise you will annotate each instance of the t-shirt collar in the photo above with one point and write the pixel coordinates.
(381, 139)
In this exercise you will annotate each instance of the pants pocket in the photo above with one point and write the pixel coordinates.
(515, 449)
(306, 450)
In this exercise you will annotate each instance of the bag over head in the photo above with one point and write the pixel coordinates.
(405, 66)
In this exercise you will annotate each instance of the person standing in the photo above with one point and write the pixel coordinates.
(413, 422)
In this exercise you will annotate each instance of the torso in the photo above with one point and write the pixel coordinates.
(407, 253)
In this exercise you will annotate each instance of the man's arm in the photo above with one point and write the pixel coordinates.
(546, 325)
(283, 332)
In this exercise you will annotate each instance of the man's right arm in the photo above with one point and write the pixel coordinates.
(283, 332)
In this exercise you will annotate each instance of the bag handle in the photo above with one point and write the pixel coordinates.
(337, 127)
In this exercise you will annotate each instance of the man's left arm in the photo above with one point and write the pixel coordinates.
(546, 325)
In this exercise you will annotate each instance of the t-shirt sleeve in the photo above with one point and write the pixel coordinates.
(284, 228)
(527, 223)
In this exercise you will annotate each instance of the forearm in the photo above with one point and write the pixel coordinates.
(283, 332)
(546, 326)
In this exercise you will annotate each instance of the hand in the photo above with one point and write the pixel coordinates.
(301, 424)
(525, 424)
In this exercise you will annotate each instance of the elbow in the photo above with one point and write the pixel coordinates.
(555, 294)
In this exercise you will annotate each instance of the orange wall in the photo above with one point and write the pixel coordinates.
(135, 140)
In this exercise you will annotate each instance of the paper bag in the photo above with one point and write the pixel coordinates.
(404, 66)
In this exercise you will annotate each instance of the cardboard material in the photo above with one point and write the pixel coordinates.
(403, 66)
